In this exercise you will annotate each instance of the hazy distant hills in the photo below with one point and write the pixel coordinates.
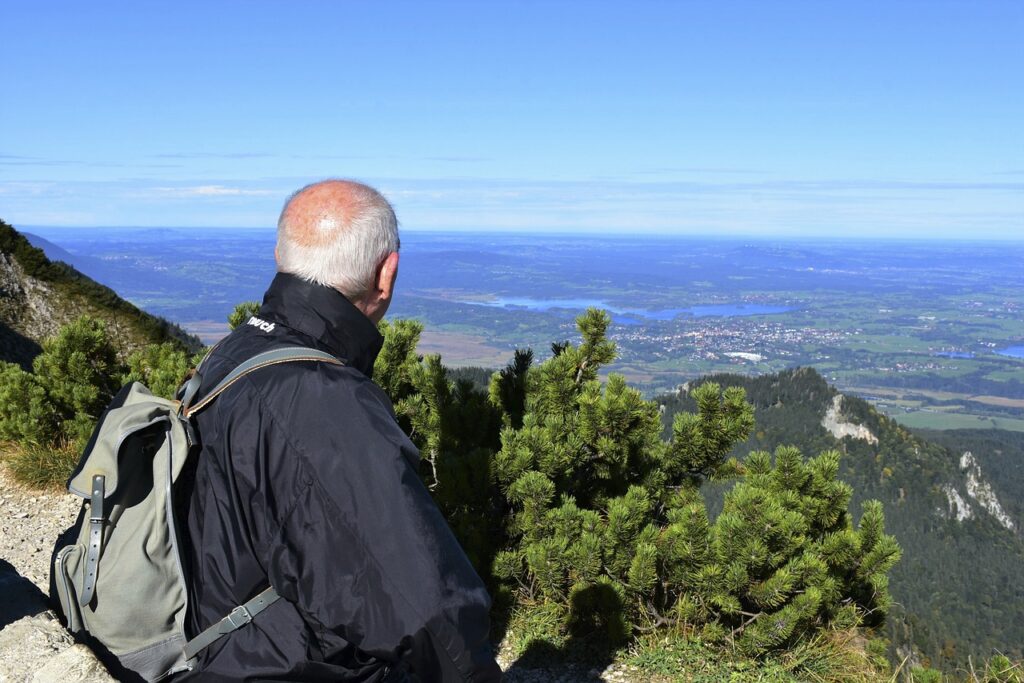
(83, 264)
(954, 503)
(38, 295)
(120, 274)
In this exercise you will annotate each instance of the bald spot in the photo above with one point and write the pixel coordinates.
(317, 214)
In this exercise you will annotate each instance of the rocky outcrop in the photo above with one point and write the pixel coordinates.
(34, 647)
(959, 509)
(27, 305)
(981, 491)
(834, 423)
(979, 494)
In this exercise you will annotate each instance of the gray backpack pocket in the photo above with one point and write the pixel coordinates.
(67, 596)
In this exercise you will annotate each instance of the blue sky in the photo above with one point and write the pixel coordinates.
(839, 119)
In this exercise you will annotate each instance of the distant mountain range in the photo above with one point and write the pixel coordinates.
(953, 499)
(39, 294)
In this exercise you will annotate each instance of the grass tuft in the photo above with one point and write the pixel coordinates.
(41, 467)
(830, 657)
(533, 624)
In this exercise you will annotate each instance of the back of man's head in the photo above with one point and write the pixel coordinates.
(336, 233)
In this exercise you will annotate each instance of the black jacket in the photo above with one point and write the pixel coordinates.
(306, 482)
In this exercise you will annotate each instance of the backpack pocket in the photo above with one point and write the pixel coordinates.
(67, 594)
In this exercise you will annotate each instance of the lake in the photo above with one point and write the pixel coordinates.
(1012, 352)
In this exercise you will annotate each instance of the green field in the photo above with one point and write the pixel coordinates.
(933, 420)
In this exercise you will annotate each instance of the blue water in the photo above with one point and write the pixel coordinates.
(955, 354)
(543, 304)
(1012, 352)
(631, 316)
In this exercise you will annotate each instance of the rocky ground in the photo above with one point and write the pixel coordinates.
(542, 672)
(34, 647)
(29, 525)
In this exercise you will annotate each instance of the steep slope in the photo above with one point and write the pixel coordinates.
(38, 296)
(958, 587)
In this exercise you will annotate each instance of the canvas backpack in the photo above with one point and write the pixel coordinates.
(120, 582)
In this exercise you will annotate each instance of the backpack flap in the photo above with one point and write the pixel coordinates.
(136, 410)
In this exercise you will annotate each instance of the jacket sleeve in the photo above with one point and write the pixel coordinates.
(361, 548)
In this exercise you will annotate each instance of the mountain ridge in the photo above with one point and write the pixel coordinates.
(39, 295)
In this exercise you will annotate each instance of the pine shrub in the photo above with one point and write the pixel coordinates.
(596, 526)
(49, 414)
(242, 313)
(161, 367)
(72, 381)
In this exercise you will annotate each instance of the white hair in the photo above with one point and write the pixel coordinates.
(346, 256)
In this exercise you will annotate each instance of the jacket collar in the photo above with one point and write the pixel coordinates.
(324, 314)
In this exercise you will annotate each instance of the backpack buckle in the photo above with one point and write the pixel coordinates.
(239, 617)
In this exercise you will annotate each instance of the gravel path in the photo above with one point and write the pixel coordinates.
(542, 672)
(29, 525)
(30, 522)
(34, 648)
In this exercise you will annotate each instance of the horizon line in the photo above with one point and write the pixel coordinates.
(562, 232)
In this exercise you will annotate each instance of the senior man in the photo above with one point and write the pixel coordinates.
(306, 483)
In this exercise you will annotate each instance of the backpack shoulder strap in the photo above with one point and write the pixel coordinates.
(272, 357)
(239, 617)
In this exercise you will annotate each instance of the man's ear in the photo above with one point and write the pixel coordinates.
(387, 273)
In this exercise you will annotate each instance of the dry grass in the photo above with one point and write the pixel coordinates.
(460, 350)
(40, 467)
(829, 657)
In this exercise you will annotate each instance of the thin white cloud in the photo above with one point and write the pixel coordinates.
(25, 188)
(211, 191)
(214, 155)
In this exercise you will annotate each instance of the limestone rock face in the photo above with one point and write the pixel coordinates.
(37, 649)
(980, 490)
(27, 303)
(835, 424)
(76, 664)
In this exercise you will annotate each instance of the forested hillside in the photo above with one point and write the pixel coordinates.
(957, 591)
(38, 296)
